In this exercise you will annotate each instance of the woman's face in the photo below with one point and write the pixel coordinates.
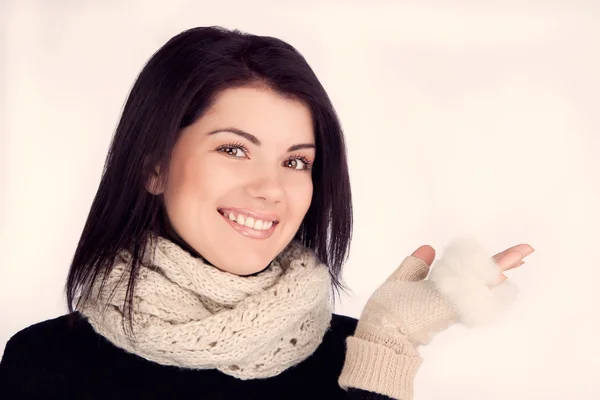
(239, 182)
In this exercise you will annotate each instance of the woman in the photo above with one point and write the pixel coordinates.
(217, 236)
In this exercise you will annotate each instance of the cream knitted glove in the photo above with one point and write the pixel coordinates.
(407, 311)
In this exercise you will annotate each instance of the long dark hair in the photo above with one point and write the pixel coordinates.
(174, 89)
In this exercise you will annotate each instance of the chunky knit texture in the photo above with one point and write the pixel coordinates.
(190, 314)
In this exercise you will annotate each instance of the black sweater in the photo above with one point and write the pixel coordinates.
(54, 360)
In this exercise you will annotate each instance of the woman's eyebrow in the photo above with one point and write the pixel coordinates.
(301, 146)
(253, 139)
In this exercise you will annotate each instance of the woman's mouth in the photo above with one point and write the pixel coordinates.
(249, 226)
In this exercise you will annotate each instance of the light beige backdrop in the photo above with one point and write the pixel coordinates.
(472, 118)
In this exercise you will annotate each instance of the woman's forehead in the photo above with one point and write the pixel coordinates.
(261, 112)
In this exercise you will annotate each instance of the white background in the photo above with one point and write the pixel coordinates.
(470, 118)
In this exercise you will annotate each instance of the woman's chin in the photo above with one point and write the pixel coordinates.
(246, 267)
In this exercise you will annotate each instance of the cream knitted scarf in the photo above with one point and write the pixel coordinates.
(190, 314)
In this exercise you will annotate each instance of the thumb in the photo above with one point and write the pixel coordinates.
(416, 266)
(425, 253)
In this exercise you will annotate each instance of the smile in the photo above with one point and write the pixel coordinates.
(250, 226)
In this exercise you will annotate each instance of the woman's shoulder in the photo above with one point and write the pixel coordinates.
(44, 355)
(47, 326)
(48, 333)
(48, 344)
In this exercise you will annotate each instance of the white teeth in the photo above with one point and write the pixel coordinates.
(240, 220)
(250, 222)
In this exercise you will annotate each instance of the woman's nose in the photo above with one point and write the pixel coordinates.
(266, 186)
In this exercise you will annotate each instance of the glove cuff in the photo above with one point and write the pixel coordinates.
(465, 276)
(376, 368)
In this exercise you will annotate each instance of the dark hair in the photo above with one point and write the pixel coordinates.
(174, 89)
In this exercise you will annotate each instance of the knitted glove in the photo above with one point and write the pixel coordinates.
(407, 311)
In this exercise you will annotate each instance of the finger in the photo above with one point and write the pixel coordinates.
(509, 260)
(503, 277)
(416, 266)
(515, 265)
(425, 253)
(522, 248)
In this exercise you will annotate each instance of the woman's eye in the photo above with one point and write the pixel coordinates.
(296, 163)
(233, 151)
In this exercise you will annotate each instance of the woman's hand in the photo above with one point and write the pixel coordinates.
(410, 308)
(506, 260)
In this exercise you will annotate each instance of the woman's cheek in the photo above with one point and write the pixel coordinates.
(302, 196)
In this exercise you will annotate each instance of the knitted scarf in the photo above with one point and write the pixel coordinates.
(190, 314)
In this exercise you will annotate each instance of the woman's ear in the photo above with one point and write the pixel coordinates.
(154, 184)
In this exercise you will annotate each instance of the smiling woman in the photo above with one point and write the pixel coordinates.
(212, 250)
